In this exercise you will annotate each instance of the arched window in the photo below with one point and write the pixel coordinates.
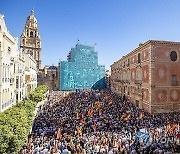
(23, 41)
(31, 34)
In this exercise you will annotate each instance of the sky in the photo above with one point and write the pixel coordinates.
(116, 26)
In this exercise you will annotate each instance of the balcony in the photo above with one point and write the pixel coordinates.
(138, 81)
(127, 81)
(175, 83)
(11, 80)
(27, 79)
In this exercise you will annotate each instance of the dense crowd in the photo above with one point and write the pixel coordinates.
(100, 122)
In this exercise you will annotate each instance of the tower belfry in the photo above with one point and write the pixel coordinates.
(30, 41)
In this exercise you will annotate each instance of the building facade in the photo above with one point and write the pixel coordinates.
(30, 74)
(149, 76)
(8, 50)
(18, 70)
(49, 76)
(81, 71)
(30, 42)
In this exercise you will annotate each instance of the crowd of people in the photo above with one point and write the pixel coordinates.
(100, 122)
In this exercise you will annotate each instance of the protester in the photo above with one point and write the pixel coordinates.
(100, 122)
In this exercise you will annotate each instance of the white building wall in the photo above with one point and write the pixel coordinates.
(8, 48)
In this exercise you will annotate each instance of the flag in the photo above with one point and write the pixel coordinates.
(128, 116)
(82, 115)
(79, 130)
(105, 141)
(58, 134)
(82, 122)
(173, 126)
(110, 103)
(71, 142)
(77, 115)
(168, 127)
(90, 112)
(123, 115)
(141, 116)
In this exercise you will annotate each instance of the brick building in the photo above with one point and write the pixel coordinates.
(149, 76)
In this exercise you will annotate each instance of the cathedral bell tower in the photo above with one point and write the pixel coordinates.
(30, 41)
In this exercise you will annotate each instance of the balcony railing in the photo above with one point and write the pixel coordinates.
(138, 81)
(11, 80)
(127, 81)
(175, 83)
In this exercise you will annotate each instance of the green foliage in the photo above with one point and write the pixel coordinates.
(38, 94)
(42, 89)
(15, 122)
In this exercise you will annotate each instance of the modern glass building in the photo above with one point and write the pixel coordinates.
(81, 70)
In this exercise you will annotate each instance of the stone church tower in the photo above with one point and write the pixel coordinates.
(30, 41)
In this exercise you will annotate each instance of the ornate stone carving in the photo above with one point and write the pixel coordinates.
(174, 95)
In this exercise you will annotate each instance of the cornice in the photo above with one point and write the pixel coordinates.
(145, 45)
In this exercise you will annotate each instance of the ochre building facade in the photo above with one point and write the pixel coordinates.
(149, 76)
(49, 76)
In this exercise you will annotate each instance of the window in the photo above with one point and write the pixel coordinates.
(173, 56)
(139, 58)
(174, 80)
(139, 78)
(128, 62)
(17, 83)
(5, 72)
(9, 49)
(31, 34)
(17, 98)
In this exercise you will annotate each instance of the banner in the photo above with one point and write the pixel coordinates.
(141, 135)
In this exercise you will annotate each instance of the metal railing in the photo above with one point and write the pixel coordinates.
(175, 83)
